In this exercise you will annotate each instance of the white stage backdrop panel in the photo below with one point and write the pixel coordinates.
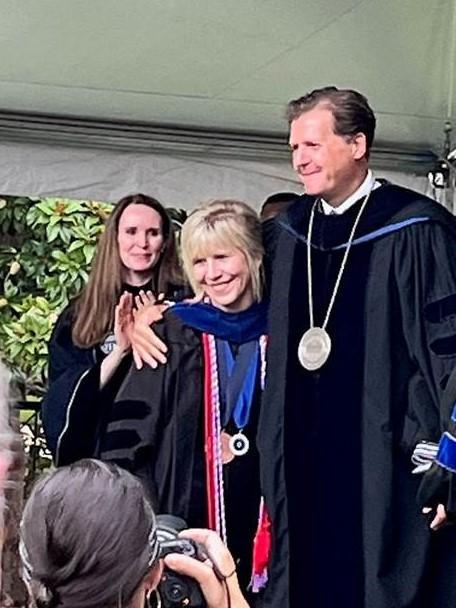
(177, 181)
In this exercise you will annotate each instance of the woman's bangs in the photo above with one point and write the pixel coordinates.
(207, 241)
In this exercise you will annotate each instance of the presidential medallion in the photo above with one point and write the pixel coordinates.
(239, 444)
(315, 345)
(314, 348)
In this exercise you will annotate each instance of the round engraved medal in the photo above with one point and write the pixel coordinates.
(239, 444)
(314, 348)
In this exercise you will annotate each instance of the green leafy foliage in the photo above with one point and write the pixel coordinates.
(46, 247)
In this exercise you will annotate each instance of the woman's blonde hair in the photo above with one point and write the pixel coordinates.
(94, 308)
(223, 223)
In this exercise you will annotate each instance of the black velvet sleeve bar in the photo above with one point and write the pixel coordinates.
(152, 427)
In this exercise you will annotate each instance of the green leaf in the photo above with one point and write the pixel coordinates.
(65, 235)
(55, 219)
(45, 207)
(75, 245)
(59, 256)
(89, 251)
(15, 349)
(52, 232)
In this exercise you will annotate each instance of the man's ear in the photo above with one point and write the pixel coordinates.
(153, 577)
(359, 146)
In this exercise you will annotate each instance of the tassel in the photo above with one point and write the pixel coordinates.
(261, 551)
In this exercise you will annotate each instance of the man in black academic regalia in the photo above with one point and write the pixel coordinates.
(362, 343)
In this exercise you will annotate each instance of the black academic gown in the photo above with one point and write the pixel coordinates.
(155, 430)
(335, 444)
(74, 407)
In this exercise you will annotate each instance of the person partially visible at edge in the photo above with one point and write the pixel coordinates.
(7, 435)
(353, 409)
(89, 540)
(188, 429)
(11, 474)
(275, 204)
(90, 342)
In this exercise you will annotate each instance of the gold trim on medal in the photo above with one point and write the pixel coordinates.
(314, 348)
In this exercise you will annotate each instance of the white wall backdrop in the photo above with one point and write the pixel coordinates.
(180, 181)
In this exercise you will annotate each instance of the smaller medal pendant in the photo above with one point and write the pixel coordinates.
(239, 444)
(314, 348)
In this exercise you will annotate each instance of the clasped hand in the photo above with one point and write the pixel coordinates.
(132, 321)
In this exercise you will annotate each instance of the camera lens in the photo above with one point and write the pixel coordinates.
(176, 592)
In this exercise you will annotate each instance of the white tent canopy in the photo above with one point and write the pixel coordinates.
(186, 100)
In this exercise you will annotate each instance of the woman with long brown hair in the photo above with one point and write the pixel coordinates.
(89, 345)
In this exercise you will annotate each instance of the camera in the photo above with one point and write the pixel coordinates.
(176, 590)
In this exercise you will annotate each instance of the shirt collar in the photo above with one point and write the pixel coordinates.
(368, 184)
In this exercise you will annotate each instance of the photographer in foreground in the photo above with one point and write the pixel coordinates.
(89, 539)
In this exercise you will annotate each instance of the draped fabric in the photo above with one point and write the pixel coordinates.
(335, 444)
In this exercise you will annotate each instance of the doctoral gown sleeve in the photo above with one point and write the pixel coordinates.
(141, 430)
(134, 423)
(439, 484)
(426, 288)
(70, 409)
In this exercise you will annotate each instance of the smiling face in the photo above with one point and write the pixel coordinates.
(330, 166)
(224, 276)
(140, 241)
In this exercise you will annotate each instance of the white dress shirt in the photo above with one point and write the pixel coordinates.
(370, 183)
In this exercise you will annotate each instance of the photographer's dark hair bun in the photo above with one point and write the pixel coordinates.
(88, 537)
